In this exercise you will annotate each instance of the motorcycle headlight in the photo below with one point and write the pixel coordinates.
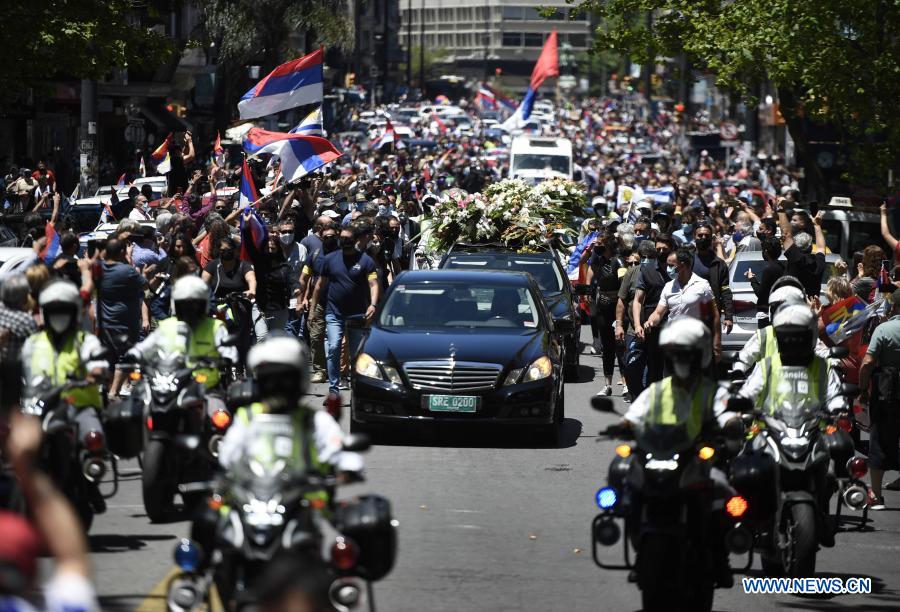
(367, 366)
(539, 369)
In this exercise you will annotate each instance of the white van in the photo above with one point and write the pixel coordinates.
(535, 158)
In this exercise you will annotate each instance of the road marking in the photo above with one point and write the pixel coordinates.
(468, 526)
(464, 511)
(156, 598)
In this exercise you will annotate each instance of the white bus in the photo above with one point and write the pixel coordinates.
(535, 159)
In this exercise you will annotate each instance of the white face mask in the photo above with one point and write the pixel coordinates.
(682, 370)
(286, 239)
(59, 322)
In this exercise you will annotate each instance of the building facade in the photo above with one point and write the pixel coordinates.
(481, 36)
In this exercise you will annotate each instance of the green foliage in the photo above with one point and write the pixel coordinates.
(838, 60)
(432, 60)
(249, 31)
(47, 39)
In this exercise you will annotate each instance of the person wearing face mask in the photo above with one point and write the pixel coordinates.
(685, 234)
(227, 274)
(409, 230)
(651, 281)
(348, 283)
(61, 353)
(714, 270)
(603, 275)
(294, 254)
(141, 210)
(315, 319)
(634, 358)
(686, 296)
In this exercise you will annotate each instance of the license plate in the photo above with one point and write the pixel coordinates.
(451, 403)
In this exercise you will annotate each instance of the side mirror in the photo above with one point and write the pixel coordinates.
(240, 393)
(849, 390)
(733, 429)
(740, 404)
(357, 443)
(584, 290)
(602, 404)
(838, 352)
(563, 325)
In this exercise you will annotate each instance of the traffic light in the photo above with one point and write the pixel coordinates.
(679, 113)
(349, 80)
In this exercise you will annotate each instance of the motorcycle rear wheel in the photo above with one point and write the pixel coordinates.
(157, 490)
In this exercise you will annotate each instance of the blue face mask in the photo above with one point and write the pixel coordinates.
(687, 228)
(638, 238)
(672, 271)
(737, 236)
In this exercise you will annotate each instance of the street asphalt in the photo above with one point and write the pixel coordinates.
(489, 521)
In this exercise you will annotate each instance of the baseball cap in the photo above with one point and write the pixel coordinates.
(330, 213)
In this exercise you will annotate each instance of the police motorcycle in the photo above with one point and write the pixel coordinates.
(797, 454)
(265, 507)
(181, 433)
(77, 466)
(678, 514)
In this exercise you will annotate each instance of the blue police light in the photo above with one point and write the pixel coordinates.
(606, 498)
(187, 555)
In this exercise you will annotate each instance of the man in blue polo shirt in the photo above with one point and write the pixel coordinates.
(348, 276)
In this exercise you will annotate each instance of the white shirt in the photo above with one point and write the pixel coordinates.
(138, 215)
(688, 300)
(147, 347)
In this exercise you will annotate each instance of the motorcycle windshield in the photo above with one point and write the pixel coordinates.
(794, 413)
(663, 440)
(271, 455)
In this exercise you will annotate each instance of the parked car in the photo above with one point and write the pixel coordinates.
(460, 346)
(848, 231)
(744, 298)
(551, 277)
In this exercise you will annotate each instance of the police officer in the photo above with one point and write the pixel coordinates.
(762, 343)
(63, 353)
(811, 376)
(193, 333)
(280, 368)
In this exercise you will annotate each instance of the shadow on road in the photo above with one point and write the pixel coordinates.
(125, 603)
(113, 543)
(586, 374)
(468, 435)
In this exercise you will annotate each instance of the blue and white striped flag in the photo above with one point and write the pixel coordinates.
(312, 125)
(661, 195)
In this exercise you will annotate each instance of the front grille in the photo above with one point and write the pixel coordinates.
(452, 375)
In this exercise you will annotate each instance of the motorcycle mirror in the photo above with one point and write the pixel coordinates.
(740, 404)
(602, 404)
(357, 443)
(187, 442)
(838, 352)
(240, 393)
(849, 390)
(733, 429)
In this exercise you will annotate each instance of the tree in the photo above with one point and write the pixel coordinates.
(258, 32)
(833, 62)
(44, 40)
(432, 58)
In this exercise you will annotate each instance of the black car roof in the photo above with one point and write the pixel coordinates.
(494, 277)
(495, 247)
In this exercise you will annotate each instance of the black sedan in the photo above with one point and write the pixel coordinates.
(461, 346)
(551, 278)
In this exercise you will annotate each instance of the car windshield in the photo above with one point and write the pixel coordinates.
(541, 268)
(456, 305)
(540, 161)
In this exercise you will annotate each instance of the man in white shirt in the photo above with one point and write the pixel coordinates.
(141, 210)
(687, 295)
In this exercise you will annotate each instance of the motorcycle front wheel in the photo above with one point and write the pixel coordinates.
(801, 529)
(156, 485)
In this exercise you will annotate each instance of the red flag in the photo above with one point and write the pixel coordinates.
(160, 153)
(547, 64)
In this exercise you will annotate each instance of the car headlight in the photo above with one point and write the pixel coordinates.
(367, 366)
(540, 368)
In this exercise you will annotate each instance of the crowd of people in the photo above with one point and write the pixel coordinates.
(336, 239)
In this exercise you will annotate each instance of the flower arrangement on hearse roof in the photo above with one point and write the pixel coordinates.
(511, 212)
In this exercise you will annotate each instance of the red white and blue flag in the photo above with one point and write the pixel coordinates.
(254, 231)
(249, 194)
(386, 137)
(299, 154)
(162, 150)
(441, 126)
(52, 249)
(491, 99)
(547, 66)
(295, 83)
(312, 125)
(121, 182)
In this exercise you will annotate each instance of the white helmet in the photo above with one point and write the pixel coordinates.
(682, 337)
(190, 299)
(60, 303)
(280, 363)
(786, 294)
(796, 331)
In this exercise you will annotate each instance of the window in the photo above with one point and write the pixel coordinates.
(534, 39)
(512, 39)
(512, 13)
(530, 13)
